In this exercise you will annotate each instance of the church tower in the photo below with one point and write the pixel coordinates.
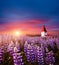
(43, 32)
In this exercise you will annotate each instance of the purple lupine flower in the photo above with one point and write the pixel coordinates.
(40, 58)
(17, 59)
(1, 55)
(17, 45)
(11, 47)
(25, 47)
(28, 53)
(50, 58)
(32, 55)
(35, 52)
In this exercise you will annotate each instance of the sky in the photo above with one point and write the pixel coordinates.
(29, 15)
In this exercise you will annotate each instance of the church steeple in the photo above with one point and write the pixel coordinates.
(43, 31)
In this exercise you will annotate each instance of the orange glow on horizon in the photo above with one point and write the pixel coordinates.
(25, 27)
(17, 33)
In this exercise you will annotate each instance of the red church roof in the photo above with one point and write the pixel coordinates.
(44, 29)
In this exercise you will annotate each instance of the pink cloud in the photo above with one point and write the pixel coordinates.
(28, 26)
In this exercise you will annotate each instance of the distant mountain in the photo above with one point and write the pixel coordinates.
(33, 35)
(38, 35)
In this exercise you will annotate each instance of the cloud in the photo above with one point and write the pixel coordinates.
(29, 25)
(29, 15)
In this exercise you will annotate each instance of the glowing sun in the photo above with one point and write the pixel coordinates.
(17, 33)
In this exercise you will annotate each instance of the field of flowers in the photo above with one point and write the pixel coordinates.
(29, 50)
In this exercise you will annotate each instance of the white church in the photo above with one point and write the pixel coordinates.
(43, 32)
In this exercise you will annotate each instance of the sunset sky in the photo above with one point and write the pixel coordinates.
(29, 16)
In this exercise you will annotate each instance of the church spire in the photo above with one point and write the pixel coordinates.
(43, 31)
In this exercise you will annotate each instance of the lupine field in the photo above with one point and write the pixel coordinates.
(29, 50)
